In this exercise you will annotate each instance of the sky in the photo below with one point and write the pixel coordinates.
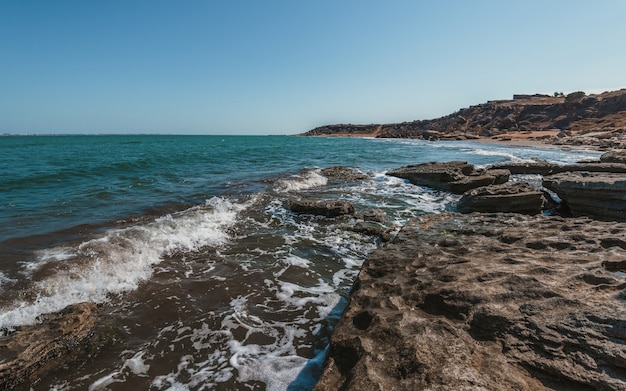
(285, 67)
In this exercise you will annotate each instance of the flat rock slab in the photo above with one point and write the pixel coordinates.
(517, 197)
(487, 302)
(548, 168)
(615, 156)
(456, 176)
(598, 195)
(326, 208)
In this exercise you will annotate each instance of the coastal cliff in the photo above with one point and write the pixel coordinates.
(575, 119)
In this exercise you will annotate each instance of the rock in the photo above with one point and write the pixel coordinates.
(518, 197)
(541, 167)
(615, 156)
(376, 215)
(327, 208)
(486, 302)
(60, 339)
(598, 195)
(547, 168)
(338, 174)
(456, 176)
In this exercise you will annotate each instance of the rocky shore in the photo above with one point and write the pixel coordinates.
(495, 301)
(577, 119)
(487, 302)
(498, 297)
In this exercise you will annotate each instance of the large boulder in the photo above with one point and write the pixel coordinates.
(593, 194)
(518, 197)
(456, 176)
(327, 208)
(615, 156)
(486, 302)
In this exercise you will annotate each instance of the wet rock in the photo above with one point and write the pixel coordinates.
(60, 339)
(518, 197)
(598, 195)
(541, 167)
(338, 174)
(547, 168)
(376, 215)
(615, 156)
(486, 302)
(456, 176)
(327, 208)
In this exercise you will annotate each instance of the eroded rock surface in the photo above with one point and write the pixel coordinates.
(614, 156)
(487, 302)
(340, 174)
(456, 176)
(598, 195)
(548, 168)
(517, 197)
(327, 208)
(61, 338)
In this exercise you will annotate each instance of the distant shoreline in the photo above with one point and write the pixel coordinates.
(518, 140)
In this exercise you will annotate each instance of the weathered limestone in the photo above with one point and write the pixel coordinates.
(340, 174)
(614, 156)
(487, 302)
(598, 195)
(60, 339)
(547, 168)
(456, 176)
(517, 197)
(327, 208)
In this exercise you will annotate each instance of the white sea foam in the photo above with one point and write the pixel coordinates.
(509, 156)
(4, 280)
(135, 365)
(306, 180)
(123, 258)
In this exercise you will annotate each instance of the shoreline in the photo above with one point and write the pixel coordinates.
(514, 141)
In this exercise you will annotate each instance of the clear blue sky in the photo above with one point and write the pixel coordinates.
(284, 67)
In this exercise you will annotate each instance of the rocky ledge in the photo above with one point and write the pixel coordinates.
(58, 340)
(456, 176)
(487, 302)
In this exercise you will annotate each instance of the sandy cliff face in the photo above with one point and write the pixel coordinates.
(600, 116)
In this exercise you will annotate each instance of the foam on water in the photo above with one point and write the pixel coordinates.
(306, 180)
(121, 259)
(508, 155)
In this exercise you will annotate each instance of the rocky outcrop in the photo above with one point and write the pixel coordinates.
(373, 222)
(598, 195)
(58, 340)
(326, 208)
(517, 197)
(487, 302)
(576, 119)
(548, 168)
(340, 174)
(614, 156)
(456, 177)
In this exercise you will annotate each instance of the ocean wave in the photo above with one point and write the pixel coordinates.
(120, 260)
(306, 180)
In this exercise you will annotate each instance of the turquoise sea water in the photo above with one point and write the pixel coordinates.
(186, 244)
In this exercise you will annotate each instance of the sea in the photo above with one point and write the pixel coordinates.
(188, 247)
